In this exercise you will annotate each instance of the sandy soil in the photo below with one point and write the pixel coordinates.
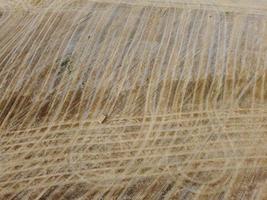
(136, 99)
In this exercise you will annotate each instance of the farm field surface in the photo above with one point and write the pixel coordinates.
(133, 99)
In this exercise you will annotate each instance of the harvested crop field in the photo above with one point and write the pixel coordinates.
(133, 100)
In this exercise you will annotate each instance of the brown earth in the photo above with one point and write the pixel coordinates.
(133, 99)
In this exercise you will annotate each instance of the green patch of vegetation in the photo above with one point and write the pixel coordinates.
(66, 64)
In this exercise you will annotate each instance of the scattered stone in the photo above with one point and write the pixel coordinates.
(101, 119)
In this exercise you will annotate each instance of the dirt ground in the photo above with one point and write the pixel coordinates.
(131, 99)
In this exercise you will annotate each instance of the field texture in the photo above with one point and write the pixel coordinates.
(133, 99)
